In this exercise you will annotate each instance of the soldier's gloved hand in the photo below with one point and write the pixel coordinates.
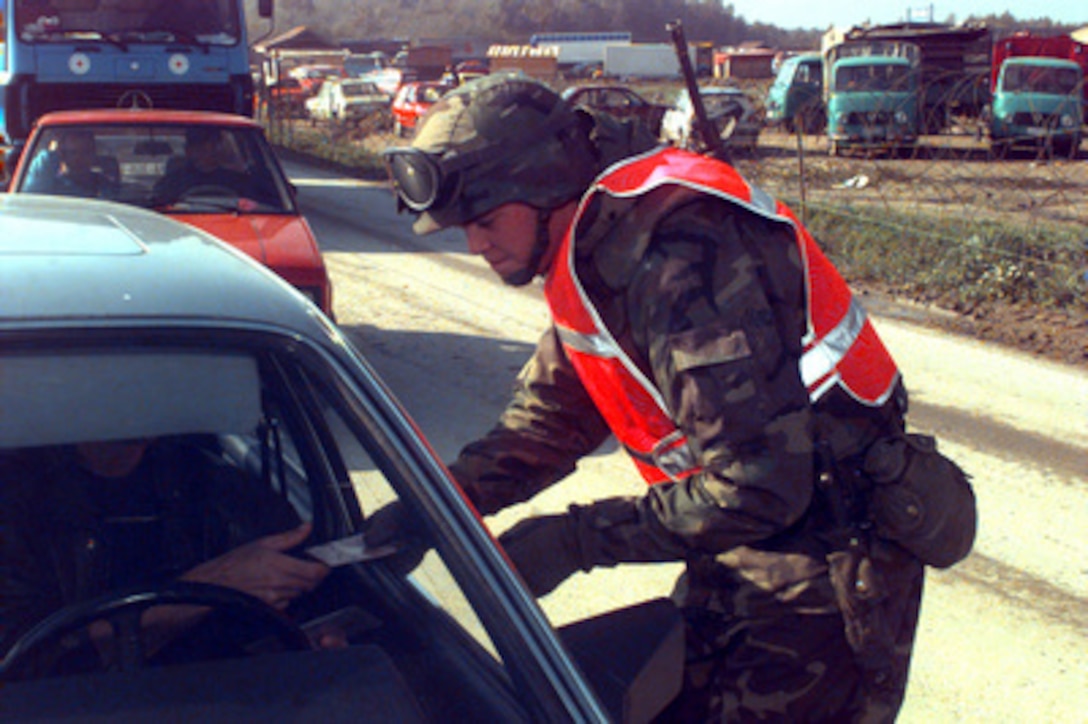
(545, 550)
(392, 525)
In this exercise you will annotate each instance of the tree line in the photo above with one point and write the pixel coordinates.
(513, 21)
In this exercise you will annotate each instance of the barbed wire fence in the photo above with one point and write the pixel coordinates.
(945, 219)
(952, 216)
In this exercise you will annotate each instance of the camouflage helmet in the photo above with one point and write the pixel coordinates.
(498, 139)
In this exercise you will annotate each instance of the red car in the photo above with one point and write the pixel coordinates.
(413, 100)
(213, 170)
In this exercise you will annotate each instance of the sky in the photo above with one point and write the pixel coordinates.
(844, 13)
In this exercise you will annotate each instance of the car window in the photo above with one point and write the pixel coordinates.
(157, 166)
(374, 491)
(618, 99)
(295, 442)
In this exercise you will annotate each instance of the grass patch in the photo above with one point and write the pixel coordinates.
(335, 145)
(960, 263)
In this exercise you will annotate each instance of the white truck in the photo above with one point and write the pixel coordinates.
(643, 60)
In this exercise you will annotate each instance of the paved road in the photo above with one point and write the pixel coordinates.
(1004, 636)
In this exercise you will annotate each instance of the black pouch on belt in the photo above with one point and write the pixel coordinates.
(920, 499)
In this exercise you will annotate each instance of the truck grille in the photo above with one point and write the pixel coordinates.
(870, 118)
(73, 96)
(1039, 120)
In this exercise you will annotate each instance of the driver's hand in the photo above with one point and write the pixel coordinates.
(264, 568)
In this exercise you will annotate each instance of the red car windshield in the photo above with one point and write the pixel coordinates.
(159, 166)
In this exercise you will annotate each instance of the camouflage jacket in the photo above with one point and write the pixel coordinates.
(706, 267)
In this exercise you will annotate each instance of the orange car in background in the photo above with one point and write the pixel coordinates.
(215, 171)
(413, 100)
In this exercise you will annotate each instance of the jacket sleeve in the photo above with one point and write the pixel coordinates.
(716, 312)
(548, 425)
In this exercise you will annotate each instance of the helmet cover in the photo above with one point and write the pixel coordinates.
(508, 138)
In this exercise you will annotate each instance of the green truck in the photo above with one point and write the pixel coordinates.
(873, 97)
(1039, 94)
(795, 99)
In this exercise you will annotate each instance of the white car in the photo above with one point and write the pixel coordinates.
(346, 99)
(733, 113)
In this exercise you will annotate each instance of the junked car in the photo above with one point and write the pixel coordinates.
(346, 99)
(618, 100)
(734, 116)
(167, 404)
(212, 170)
(413, 100)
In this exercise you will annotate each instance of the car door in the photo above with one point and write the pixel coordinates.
(457, 621)
(434, 613)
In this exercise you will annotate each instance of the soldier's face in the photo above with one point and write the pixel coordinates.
(504, 237)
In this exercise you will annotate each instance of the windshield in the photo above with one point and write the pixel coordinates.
(360, 89)
(209, 22)
(166, 166)
(1040, 79)
(867, 78)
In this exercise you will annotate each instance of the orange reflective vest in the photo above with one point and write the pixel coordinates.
(841, 347)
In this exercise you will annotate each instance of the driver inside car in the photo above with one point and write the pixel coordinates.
(202, 170)
(84, 520)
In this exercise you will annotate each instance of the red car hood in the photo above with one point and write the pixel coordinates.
(283, 243)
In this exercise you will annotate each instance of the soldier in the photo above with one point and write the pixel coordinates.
(696, 320)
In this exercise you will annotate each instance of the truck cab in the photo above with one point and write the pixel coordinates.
(873, 102)
(795, 99)
(1037, 102)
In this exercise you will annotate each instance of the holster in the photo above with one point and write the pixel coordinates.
(872, 617)
(920, 499)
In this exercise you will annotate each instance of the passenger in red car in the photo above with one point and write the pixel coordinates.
(72, 168)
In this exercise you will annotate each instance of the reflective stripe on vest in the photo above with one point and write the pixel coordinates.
(841, 348)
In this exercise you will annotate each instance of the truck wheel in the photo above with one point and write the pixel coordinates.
(812, 121)
(1074, 148)
(999, 150)
(1067, 148)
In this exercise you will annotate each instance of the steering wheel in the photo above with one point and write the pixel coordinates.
(209, 190)
(123, 610)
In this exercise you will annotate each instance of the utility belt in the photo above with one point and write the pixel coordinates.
(901, 495)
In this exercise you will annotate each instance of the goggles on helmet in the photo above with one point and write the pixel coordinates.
(425, 182)
(422, 180)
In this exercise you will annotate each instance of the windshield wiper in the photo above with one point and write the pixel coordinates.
(78, 35)
(181, 37)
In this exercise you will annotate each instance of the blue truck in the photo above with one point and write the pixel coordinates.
(72, 54)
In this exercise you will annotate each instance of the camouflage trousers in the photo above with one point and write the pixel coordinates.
(785, 657)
